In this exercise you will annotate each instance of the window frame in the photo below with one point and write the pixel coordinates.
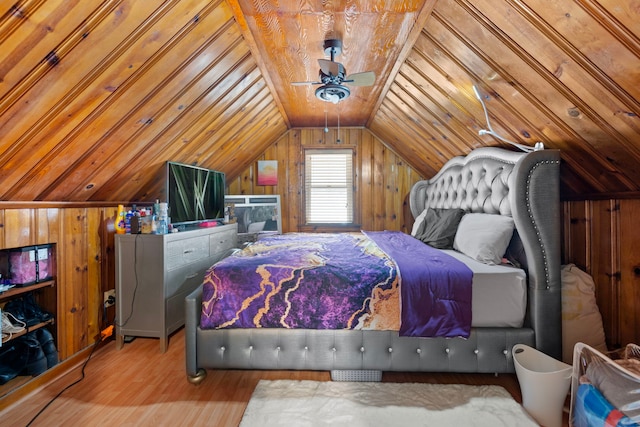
(350, 186)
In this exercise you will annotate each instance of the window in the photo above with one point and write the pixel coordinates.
(329, 186)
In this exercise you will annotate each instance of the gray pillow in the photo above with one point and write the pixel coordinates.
(484, 237)
(439, 227)
(419, 221)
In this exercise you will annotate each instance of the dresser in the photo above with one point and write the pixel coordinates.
(154, 273)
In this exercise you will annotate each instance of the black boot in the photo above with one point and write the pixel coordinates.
(36, 360)
(48, 346)
(12, 361)
(33, 310)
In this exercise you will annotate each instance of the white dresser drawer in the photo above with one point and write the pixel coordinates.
(220, 243)
(186, 278)
(187, 251)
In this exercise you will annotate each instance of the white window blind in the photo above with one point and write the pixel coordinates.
(329, 186)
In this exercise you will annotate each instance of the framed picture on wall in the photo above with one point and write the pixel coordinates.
(267, 172)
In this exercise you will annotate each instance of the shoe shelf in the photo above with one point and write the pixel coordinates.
(26, 330)
(33, 303)
(14, 384)
(16, 291)
(24, 289)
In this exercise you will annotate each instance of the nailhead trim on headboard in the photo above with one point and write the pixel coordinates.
(533, 222)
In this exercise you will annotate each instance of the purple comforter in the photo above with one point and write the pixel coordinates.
(339, 281)
(435, 287)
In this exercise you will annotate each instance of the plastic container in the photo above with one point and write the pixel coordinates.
(28, 265)
(120, 220)
(605, 387)
(544, 383)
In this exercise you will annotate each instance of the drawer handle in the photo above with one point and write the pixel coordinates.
(188, 251)
(191, 276)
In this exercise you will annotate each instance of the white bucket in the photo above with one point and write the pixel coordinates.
(544, 383)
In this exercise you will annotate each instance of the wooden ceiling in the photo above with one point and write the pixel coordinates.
(289, 38)
(95, 95)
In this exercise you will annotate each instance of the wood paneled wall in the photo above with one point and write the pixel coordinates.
(382, 179)
(84, 262)
(602, 238)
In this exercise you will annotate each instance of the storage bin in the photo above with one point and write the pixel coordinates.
(544, 383)
(28, 265)
(605, 388)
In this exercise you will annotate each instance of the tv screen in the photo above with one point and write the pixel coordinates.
(194, 194)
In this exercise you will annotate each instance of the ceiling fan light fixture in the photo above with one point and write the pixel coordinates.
(332, 93)
(332, 75)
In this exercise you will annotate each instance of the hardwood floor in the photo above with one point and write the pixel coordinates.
(139, 386)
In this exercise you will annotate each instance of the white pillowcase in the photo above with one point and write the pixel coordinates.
(419, 219)
(484, 237)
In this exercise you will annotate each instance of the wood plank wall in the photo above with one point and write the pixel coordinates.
(602, 238)
(382, 179)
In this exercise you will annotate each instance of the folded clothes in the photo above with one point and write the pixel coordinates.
(592, 409)
(619, 388)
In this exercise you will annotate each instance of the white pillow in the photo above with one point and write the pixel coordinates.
(484, 237)
(416, 224)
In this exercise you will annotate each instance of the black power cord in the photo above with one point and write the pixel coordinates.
(104, 321)
(82, 375)
(67, 387)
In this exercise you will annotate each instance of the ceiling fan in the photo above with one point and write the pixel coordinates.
(333, 75)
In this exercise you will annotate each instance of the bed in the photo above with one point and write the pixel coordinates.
(523, 187)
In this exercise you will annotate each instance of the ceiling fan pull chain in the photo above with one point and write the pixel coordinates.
(326, 126)
(338, 140)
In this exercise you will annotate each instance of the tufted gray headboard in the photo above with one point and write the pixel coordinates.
(526, 187)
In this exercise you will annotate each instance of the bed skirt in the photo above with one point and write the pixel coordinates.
(486, 350)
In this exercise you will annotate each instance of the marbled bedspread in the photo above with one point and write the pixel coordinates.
(323, 281)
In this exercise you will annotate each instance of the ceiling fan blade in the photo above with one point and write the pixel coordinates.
(305, 83)
(330, 68)
(367, 78)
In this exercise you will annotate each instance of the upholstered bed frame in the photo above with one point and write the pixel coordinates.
(491, 180)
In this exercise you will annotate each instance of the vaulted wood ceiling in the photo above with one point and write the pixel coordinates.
(95, 95)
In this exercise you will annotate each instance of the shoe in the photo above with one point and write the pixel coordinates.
(36, 360)
(17, 308)
(27, 310)
(10, 327)
(12, 361)
(48, 346)
(22, 356)
(33, 310)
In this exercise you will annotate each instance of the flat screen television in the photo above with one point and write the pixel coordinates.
(194, 194)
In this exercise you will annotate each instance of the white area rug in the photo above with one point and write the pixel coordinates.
(353, 404)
